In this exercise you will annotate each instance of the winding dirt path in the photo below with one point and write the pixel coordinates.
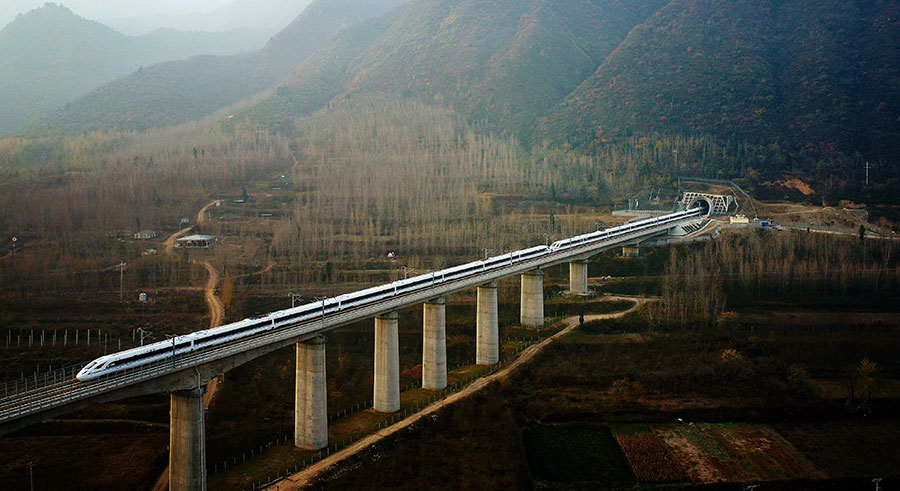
(216, 309)
(201, 215)
(170, 241)
(216, 317)
(305, 477)
(201, 218)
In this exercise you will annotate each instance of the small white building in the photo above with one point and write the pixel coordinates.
(197, 241)
(145, 235)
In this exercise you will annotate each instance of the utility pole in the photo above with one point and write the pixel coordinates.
(867, 172)
(675, 151)
(485, 251)
(30, 466)
(172, 337)
(294, 297)
(323, 307)
(144, 334)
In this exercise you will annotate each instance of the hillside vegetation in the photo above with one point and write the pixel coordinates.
(51, 56)
(804, 74)
(780, 86)
(504, 62)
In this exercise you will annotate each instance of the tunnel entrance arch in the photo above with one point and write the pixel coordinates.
(705, 204)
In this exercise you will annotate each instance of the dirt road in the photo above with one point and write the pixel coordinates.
(216, 309)
(201, 215)
(304, 477)
(170, 241)
(216, 317)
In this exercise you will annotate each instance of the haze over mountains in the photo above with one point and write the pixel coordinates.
(51, 56)
(174, 92)
(266, 16)
(800, 73)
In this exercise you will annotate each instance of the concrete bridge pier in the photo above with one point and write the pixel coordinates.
(187, 440)
(434, 347)
(578, 277)
(531, 310)
(311, 396)
(386, 397)
(487, 331)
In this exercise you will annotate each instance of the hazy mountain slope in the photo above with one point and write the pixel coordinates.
(50, 56)
(557, 46)
(308, 33)
(267, 16)
(695, 64)
(187, 87)
(323, 78)
(804, 73)
(195, 87)
(504, 61)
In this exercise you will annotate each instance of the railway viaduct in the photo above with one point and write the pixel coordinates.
(185, 377)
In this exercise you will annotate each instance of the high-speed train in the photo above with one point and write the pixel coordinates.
(210, 338)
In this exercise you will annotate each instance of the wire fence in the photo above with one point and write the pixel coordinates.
(64, 338)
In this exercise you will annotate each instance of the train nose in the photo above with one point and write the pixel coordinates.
(83, 374)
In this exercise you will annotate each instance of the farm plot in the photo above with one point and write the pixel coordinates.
(711, 453)
(651, 459)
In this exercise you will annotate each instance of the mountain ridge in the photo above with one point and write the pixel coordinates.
(151, 98)
(795, 75)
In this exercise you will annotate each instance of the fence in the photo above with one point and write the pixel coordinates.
(42, 338)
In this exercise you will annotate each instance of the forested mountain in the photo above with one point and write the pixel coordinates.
(51, 56)
(505, 61)
(793, 75)
(175, 92)
(821, 74)
(268, 16)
